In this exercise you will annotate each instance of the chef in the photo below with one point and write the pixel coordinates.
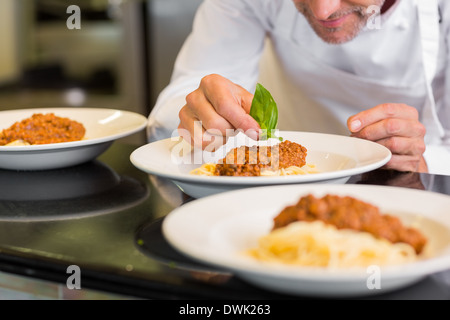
(374, 69)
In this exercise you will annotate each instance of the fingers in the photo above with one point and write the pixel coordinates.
(192, 130)
(229, 101)
(187, 127)
(404, 146)
(407, 164)
(379, 113)
(397, 127)
(407, 154)
(392, 127)
(213, 109)
(200, 108)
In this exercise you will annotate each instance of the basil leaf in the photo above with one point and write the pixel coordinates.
(264, 110)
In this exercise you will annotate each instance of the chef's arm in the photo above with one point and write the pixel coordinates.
(227, 39)
(437, 153)
(438, 158)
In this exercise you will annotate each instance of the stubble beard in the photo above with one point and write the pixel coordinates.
(348, 31)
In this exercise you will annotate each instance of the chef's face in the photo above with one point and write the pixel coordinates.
(337, 21)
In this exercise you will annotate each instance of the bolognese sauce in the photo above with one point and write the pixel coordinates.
(250, 161)
(42, 129)
(350, 213)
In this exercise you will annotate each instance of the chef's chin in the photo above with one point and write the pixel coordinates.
(339, 35)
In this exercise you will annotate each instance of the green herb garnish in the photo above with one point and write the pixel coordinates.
(264, 110)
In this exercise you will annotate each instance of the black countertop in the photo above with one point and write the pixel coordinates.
(105, 216)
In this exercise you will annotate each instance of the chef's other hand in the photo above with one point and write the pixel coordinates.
(215, 107)
(397, 127)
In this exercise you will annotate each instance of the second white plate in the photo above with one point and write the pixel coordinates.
(335, 157)
(218, 229)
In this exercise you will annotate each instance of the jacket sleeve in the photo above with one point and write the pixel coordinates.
(437, 155)
(227, 38)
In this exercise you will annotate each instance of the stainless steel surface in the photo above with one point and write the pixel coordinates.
(113, 233)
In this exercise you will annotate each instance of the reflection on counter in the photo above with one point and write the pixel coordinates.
(89, 189)
(74, 182)
(13, 287)
(151, 242)
(169, 191)
(392, 178)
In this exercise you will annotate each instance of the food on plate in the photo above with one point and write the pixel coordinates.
(42, 129)
(350, 213)
(285, 158)
(338, 232)
(282, 159)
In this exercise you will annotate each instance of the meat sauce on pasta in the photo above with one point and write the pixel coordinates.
(350, 213)
(285, 158)
(336, 232)
(249, 161)
(42, 129)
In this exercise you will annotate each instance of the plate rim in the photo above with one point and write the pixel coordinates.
(253, 181)
(430, 266)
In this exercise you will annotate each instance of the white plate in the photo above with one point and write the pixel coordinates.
(216, 230)
(336, 157)
(103, 127)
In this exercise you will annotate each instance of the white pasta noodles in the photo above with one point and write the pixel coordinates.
(316, 244)
(208, 169)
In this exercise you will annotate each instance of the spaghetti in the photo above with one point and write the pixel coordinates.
(316, 244)
(338, 232)
(209, 169)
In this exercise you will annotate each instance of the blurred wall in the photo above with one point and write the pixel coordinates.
(169, 23)
(9, 59)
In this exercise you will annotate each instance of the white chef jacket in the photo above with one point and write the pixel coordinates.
(401, 58)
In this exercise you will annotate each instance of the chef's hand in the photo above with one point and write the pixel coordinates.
(216, 106)
(397, 127)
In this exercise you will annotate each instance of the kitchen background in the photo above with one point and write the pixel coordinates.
(120, 58)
